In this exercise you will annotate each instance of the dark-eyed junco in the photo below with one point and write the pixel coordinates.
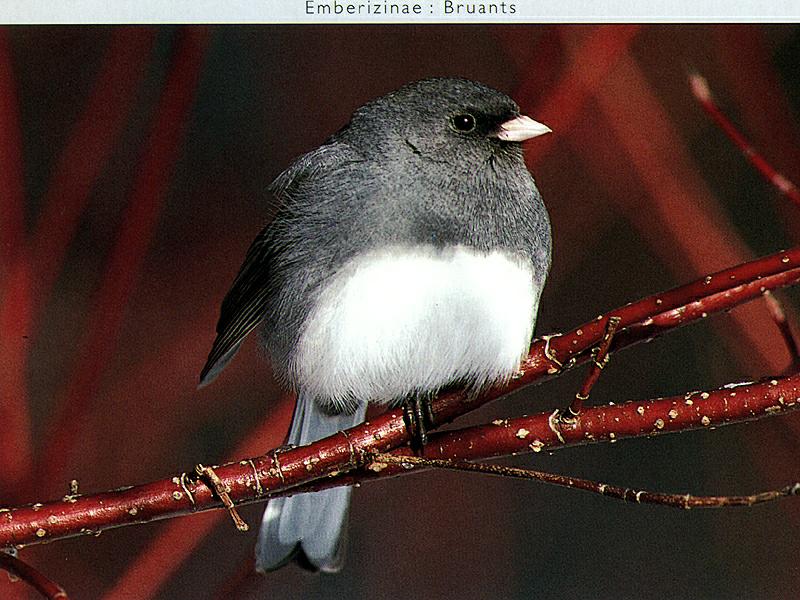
(409, 253)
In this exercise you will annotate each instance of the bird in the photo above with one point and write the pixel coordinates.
(408, 253)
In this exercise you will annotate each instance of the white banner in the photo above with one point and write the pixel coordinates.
(395, 11)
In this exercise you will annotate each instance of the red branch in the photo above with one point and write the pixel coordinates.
(563, 100)
(704, 96)
(778, 315)
(694, 410)
(31, 274)
(16, 453)
(254, 479)
(561, 106)
(28, 574)
(12, 200)
(158, 160)
(87, 151)
(15, 302)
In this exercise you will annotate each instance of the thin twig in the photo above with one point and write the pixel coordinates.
(782, 323)
(223, 493)
(702, 92)
(684, 501)
(598, 364)
(31, 576)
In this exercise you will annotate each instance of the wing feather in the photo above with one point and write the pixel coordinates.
(243, 308)
(246, 304)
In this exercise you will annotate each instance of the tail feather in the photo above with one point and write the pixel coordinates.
(308, 527)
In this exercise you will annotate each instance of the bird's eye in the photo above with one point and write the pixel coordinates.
(463, 123)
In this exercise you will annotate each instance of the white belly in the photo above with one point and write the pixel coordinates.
(413, 320)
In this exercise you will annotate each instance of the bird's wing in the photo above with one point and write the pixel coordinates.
(243, 307)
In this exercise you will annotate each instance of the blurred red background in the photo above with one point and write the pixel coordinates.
(133, 168)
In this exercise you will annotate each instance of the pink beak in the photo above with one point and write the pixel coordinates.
(521, 128)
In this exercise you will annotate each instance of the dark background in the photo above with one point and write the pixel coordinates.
(133, 168)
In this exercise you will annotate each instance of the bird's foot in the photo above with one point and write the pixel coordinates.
(418, 418)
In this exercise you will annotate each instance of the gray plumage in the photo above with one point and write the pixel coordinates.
(400, 176)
